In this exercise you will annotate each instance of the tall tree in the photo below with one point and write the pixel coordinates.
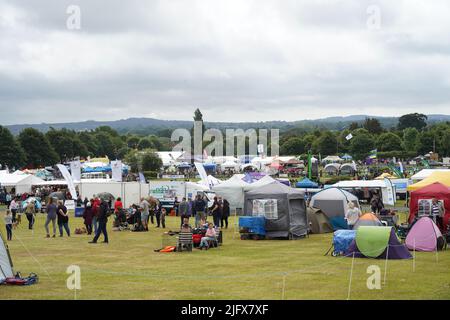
(38, 150)
(361, 145)
(373, 126)
(11, 153)
(293, 146)
(389, 142)
(412, 120)
(411, 139)
(326, 144)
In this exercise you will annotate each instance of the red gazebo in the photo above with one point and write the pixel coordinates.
(435, 190)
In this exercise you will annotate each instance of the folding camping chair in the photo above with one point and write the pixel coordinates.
(185, 242)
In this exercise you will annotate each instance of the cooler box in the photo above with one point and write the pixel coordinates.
(255, 225)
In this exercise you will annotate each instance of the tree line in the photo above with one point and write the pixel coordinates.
(34, 149)
(411, 137)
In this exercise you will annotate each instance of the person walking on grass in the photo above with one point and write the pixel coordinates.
(145, 212)
(14, 207)
(161, 218)
(8, 224)
(95, 213)
(102, 222)
(183, 209)
(30, 212)
(87, 216)
(63, 219)
(52, 213)
(225, 214)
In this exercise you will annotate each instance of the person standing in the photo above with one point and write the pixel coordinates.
(14, 207)
(145, 213)
(87, 216)
(8, 224)
(183, 210)
(376, 204)
(85, 202)
(199, 205)
(215, 210)
(176, 205)
(102, 222)
(225, 214)
(95, 213)
(352, 215)
(63, 219)
(30, 212)
(8, 199)
(437, 212)
(160, 216)
(52, 210)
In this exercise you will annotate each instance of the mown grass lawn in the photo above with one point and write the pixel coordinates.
(128, 268)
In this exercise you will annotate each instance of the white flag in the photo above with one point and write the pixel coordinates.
(116, 168)
(68, 179)
(349, 136)
(75, 169)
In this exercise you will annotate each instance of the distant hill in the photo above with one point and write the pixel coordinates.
(156, 126)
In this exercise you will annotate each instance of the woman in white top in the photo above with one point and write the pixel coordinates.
(352, 215)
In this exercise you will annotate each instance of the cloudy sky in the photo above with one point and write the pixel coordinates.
(237, 60)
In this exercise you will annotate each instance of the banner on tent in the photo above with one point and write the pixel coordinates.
(75, 169)
(390, 192)
(116, 169)
(167, 190)
(65, 173)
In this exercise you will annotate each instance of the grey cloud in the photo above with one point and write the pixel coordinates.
(261, 60)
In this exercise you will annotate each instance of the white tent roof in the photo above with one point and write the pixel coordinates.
(333, 165)
(229, 164)
(361, 184)
(261, 182)
(11, 180)
(332, 158)
(169, 157)
(232, 190)
(214, 181)
(425, 173)
(265, 160)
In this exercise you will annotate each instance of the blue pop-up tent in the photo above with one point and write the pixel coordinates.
(306, 183)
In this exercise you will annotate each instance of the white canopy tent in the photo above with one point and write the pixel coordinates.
(260, 183)
(425, 173)
(21, 182)
(387, 188)
(232, 190)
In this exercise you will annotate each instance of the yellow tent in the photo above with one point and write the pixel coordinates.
(437, 176)
(386, 175)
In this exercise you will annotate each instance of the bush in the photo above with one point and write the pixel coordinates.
(397, 154)
(151, 174)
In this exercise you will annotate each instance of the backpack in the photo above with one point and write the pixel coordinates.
(17, 280)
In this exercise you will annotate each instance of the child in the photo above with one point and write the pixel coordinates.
(8, 223)
(163, 217)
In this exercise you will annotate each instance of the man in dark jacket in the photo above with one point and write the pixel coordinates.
(200, 212)
(102, 222)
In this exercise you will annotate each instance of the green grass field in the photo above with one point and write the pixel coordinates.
(128, 268)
